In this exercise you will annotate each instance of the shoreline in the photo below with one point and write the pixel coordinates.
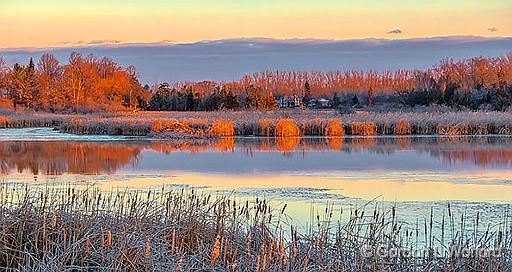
(288, 123)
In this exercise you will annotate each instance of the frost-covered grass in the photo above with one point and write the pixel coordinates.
(244, 123)
(86, 229)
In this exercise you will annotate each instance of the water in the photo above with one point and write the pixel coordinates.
(416, 174)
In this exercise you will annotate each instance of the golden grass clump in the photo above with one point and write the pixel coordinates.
(403, 128)
(363, 128)
(287, 128)
(161, 125)
(4, 121)
(223, 128)
(158, 126)
(264, 127)
(170, 125)
(334, 128)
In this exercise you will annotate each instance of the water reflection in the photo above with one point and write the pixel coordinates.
(55, 158)
(262, 154)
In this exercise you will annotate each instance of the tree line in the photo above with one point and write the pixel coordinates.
(92, 83)
(83, 84)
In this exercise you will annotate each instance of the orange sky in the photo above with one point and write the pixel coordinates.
(55, 23)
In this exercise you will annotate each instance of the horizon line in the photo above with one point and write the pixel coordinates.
(120, 44)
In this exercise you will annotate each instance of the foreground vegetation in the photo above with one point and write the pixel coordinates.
(285, 123)
(80, 228)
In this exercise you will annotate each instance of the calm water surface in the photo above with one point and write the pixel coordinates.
(413, 173)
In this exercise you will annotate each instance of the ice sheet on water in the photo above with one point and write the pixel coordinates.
(49, 134)
(296, 193)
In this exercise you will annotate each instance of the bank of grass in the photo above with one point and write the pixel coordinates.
(286, 123)
(80, 229)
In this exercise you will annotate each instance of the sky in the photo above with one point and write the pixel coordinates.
(65, 23)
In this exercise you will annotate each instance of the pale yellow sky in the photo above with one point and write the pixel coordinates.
(55, 23)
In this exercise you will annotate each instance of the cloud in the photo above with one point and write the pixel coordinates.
(104, 42)
(492, 29)
(395, 31)
(167, 41)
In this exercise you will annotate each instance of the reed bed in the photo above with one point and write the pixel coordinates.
(269, 124)
(84, 228)
(9, 119)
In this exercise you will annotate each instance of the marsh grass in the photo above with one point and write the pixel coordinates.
(334, 128)
(287, 127)
(224, 128)
(84, 228)
(251, 123)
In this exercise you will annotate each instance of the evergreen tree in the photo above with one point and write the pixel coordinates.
(306, 96)
(370, 96)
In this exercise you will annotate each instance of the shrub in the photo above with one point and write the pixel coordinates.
(222, 128)
(4, 121)
(287, 128)
(334, 128)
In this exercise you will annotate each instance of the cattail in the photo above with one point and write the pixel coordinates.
(173, 241)
(180, 264)
(306, 260)
(64, 237)
(225, 254)
(258, 263)
(109, 239)
(54, 219)
(215, 251)
(103, 240)
(148, 249)
(87, 246)
(233, 266)
(264, 256)
(282, 252)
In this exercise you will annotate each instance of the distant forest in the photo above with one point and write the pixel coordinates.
(89, 83)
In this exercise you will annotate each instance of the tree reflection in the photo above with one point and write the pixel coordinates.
(60, 157)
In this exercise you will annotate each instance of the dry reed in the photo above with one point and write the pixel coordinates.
(65, 229)
(403, 128)
(222, 128)
(287, 128)
(363, 129)
(334, 128)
